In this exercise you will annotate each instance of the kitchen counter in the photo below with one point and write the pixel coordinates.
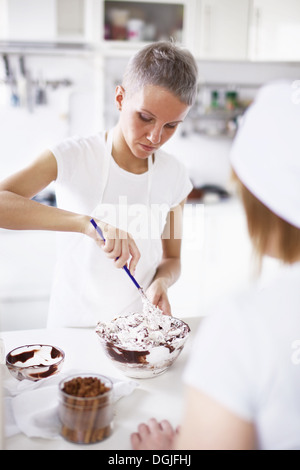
(160, 397)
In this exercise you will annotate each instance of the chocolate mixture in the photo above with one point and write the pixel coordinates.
(26, 355)
(123, 355)
(39, 370)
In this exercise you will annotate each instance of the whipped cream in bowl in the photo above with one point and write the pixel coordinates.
(35, 361)
(143, 344)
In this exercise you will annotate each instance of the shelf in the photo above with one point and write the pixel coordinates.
(227, 85)
(217, 135)
(223, 114)
(49, 48)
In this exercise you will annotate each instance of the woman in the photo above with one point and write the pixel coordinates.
(243, 377)
(122, 179)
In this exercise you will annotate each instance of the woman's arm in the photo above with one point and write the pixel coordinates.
(169, 269)
(207, 425)
(19, 212)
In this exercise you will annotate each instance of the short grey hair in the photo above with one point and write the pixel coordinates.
(166, 65)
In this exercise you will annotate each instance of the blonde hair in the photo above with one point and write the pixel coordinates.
(262, 222)
(163, 64)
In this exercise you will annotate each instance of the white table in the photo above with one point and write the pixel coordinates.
(160, 397)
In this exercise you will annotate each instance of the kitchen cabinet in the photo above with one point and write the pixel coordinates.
(31, 20)
(70, 18)
(274, 30)
(235, 30)
(232, 30)
(143, 21)
(46, 20)
(222, 32)
(127, 25)
(211, 29)
(75, 20)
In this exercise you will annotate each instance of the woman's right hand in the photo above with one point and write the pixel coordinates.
(119, 245)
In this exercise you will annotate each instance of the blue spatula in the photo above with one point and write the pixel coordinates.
(141, 291)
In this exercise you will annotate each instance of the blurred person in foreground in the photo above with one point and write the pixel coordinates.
(243, 376)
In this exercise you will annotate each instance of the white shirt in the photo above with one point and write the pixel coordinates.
(247, 357)
(87, 287)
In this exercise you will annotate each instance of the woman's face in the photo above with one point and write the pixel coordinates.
(148, 118)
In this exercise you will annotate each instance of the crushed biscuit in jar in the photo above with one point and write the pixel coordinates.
(86, 408)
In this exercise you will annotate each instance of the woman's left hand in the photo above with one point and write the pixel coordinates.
(157, 294)
(154, 436)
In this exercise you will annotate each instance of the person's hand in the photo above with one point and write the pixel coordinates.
(154, 436)
(157, 294)
(119, 245)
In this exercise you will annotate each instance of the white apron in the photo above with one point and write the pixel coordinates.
(88, 286)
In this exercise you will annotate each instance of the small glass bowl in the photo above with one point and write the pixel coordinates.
(86, 420)
(35, 361)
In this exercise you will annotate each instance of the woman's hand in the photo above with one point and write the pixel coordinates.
(157, 294)
(154, 436)
(119, 245)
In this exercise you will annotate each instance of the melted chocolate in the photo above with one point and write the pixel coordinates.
(42, 375)
(123, 355)
(26, 355)
(169, 347)
(55, 353)
(22, 357)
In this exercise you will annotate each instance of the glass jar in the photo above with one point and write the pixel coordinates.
(86, 419)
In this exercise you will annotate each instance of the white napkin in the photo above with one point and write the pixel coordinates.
(31, 407)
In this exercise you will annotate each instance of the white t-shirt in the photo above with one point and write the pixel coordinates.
(247, 357)
(87, 287)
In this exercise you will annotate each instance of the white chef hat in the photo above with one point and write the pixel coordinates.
(266, 152)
